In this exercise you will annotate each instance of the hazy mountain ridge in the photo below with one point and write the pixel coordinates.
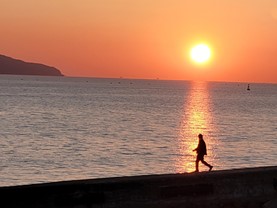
(10, 65)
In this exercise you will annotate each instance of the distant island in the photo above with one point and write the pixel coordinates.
(12, 66)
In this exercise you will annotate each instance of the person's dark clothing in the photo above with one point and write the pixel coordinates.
(201, 151)
(201, 148)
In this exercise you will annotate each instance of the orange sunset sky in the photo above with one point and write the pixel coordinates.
(144, 38)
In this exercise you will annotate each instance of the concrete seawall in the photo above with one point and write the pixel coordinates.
(245, 188)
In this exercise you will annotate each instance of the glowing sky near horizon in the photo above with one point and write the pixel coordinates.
(144, 39)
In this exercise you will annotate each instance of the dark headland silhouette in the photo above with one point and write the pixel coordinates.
(17, 67)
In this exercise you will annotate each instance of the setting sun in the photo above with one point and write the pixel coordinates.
(132, 39)
(200, 53)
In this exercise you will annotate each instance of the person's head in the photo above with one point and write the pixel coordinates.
(200, 136)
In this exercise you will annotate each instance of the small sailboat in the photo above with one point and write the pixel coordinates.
(248, 87)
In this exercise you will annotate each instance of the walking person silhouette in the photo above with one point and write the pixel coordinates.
(201, 150)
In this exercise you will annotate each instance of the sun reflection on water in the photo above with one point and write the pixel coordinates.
(197, 118)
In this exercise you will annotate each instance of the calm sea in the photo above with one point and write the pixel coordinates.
(60, 128)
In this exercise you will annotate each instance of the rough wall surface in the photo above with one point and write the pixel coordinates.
(241, 188)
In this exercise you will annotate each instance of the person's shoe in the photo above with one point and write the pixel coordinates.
(211, 167)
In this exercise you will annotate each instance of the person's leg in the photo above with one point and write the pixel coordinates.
(196, 165)
(207, 164)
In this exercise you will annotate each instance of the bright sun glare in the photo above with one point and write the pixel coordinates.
(200, 53)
